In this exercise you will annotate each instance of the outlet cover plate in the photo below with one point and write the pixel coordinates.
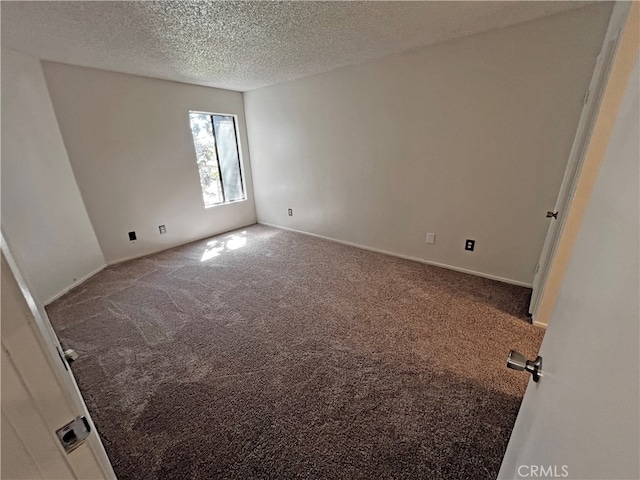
(431, 238)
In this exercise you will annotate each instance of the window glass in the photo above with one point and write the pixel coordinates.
(217, 157)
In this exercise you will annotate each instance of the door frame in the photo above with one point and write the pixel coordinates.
(544, 292)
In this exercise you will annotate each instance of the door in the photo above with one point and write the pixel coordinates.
(39, 394)
(582, 419)
(592, 101)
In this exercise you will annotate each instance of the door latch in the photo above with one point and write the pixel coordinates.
(519, 362)
(74, 433)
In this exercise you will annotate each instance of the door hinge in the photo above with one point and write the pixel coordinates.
(64, 362)
(67, 357)
(70, 355)
(586, 97)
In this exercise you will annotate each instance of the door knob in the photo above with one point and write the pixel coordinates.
(518, 361)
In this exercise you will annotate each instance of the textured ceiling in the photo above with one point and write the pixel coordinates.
(245, 45)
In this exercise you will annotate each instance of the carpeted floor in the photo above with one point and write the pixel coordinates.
(268, 354)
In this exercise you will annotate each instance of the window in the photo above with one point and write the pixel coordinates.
(216, 141)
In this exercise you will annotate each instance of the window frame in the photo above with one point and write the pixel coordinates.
(238, 148)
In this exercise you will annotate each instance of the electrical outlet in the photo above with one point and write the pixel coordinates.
(431, 238)
(163, 229)
(470, 245)
(290, 212)
(132, 236)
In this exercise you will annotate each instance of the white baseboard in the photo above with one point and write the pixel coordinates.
(133, 257)
(406, 257)
(75, 284)
(169, 247)
(351, 244)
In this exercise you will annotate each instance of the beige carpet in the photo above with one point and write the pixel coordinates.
(267, 354)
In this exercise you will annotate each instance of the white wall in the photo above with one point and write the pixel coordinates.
(466, 139)
(131, 149)
(585, 412)
(43, 216)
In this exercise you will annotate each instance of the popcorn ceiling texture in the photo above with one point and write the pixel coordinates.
(267, 354)
(245, 45)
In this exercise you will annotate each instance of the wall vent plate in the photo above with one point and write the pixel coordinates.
(73, 434)
(470, 245)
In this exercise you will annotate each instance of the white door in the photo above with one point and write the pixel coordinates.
(592, 101)
(582, 419)
(39, 394)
